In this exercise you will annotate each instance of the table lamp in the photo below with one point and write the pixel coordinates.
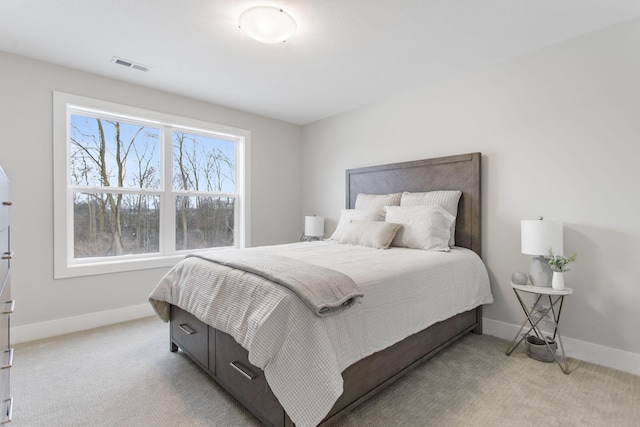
(314, 227)
(538, 237)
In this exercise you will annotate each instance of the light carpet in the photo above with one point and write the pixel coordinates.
(124, 375)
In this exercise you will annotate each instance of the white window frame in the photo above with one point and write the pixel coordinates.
(65, 265)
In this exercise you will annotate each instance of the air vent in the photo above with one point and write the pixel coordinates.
(129, 64)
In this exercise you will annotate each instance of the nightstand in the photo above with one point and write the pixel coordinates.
(537, 312)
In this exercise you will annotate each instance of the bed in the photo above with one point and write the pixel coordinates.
(367, 357)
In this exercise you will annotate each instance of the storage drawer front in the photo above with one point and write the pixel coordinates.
(5, 251)
(4, 215)
(190, 334)
(238, 375)
(5, 202)
(4, 329)
(6, 357)
(6, 308)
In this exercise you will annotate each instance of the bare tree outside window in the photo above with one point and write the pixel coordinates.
(115, 172)
(109, 154)
(203, 164)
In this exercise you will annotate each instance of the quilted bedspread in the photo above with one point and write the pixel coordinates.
(323, 290)
(303, 355)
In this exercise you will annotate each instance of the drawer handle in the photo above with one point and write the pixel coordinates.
(187, 329)
(9, 359)
(9, 412)
(11, 306)
(7, 255)
(7, 203)
(243, 370)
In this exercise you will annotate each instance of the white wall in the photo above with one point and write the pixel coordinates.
(559, 132)
(46, 306)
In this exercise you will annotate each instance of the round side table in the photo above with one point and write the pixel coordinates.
(556, 299)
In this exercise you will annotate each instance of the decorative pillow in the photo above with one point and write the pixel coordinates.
(448, 199)
(375, 234)
(348, 215)
(377, 201)
(423, 227)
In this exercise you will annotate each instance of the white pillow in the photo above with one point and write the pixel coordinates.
(348, 215)
(377, 201)
(423, 227)
(448, 199)
(375, 234)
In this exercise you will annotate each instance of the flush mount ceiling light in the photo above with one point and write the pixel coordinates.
(267, 24)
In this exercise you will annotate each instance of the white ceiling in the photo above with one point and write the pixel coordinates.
(345, 53)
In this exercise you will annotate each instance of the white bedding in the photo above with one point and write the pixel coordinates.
(302, 355)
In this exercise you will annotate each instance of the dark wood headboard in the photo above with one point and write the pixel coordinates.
(461, 172)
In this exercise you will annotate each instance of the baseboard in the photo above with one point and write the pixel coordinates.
(582, 350)
(67, 325)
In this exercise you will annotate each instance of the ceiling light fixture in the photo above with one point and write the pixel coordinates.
(267, 24)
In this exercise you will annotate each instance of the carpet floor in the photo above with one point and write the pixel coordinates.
(124, 375)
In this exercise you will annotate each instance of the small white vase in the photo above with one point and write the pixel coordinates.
(557, 281)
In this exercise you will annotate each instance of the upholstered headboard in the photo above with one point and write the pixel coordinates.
(461, 172)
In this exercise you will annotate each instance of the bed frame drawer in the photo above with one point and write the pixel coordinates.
(190, 334)
(246, 382)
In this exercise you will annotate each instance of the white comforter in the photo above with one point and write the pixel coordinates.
(303, 355)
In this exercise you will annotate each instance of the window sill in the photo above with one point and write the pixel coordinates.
(117, 266)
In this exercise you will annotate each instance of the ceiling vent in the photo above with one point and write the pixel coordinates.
(129, 64)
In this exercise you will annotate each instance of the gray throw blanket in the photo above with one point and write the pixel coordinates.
(323, 290)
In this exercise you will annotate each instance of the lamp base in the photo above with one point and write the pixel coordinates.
(305, 238)
(540, 272)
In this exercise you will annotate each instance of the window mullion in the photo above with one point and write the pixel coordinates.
(168, 201)
(114, 190)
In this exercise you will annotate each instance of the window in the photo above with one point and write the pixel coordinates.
(138, 189)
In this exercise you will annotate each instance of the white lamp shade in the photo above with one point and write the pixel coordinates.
(314, 226)
(267, 24)
(539, 236)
